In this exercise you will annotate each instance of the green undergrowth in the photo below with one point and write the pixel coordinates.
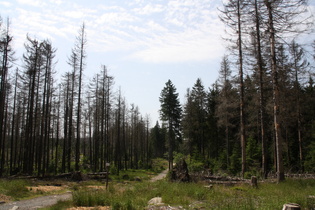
(60, 205)
(135, 195)
(156, 166)
(16, 189)
(132, 175)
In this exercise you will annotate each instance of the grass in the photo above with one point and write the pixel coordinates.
(124, 193)
(131, 175)
(60, 205)
(16, 189)
(157, 166)
(135, 195)
(195, 195)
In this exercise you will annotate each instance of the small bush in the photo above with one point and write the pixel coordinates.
(113, 169)
(60, 205)
(195, 166)
(249, 174)
(178, 157)
(91, 198)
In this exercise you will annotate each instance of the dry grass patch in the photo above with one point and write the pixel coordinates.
(5, 198)
(46, 189)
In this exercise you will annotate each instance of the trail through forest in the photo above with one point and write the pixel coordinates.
(162, 175)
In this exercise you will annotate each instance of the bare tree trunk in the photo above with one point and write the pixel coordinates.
(280, 170)
(6, 58)
(261, 93)
(242, 117)
(81, 49)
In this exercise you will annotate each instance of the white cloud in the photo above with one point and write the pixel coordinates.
(156, 27)
(177, 31)
(114, 18)
(149, 9)
(188, 31)
(58, 2)
(35, 3)
(5, 4)
(181, 47)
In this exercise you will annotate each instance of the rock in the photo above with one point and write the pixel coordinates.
(209, 186)
(291, 206)
(180, 172)
(138, 179)
(155, 201)
(197, 205)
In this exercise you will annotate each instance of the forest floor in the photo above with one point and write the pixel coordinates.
(45, 201)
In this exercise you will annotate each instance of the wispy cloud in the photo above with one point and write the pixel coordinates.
(149, 31)
(5, 4)
(188, 31)
(35, 3)
(149, 9)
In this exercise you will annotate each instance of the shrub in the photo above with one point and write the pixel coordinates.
(195, 166)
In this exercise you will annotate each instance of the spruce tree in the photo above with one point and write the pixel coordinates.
(170, 113)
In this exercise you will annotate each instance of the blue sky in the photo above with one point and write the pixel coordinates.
(142, 42)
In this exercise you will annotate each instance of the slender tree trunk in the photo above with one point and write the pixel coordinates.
(65, 126)
(261, 93)
(12, 145)
(3, 91)
(298, 101)
(170, 150)
(276, 110)
(242, 117)
(81, 49)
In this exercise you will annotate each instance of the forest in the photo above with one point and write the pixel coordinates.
(258, 118)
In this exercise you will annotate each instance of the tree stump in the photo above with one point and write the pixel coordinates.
(180, 172)
(291, 206)
(253, 182)
(77, 176)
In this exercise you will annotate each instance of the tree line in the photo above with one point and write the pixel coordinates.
(49, 127)
(258, 117)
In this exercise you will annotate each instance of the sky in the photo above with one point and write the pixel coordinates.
(143, 43)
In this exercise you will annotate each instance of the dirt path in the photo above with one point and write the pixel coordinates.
(36, 203)
(162, 175)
